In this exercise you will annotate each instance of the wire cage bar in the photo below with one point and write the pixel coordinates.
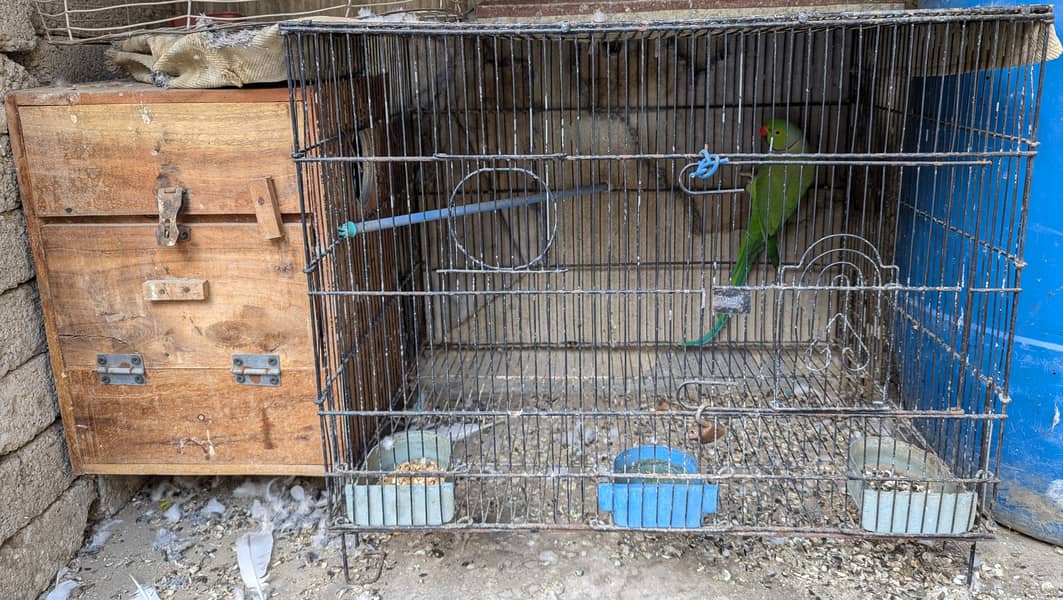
(512, 267)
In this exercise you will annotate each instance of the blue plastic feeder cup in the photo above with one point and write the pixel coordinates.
(648, 502)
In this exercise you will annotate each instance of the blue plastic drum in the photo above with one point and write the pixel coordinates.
(1030, 499)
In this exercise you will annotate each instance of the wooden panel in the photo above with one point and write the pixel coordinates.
(110, 159)
(92, 275)
(257, 302)
(132, 92)
(200, 420)
(33, 228)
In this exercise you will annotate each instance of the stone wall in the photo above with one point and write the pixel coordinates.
(44, 508)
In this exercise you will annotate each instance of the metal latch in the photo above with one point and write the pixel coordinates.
(731, 301)
(257, 369)
(169, 232)
(120, 369)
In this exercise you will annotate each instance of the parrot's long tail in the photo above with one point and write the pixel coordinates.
(748, 253)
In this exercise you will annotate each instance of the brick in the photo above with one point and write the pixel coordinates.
(16, 266)
(113, 493)
(30, 559)
(27, 403)
(13, 76)
(16, 26)
(21, 328)
(31, 478)
(9, 199)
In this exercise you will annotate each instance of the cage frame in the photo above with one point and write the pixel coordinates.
(1024, 150)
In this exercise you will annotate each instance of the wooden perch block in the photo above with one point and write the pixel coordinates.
(175, 290)
(264, 197)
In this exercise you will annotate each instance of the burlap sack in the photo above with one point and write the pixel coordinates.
(208, 59)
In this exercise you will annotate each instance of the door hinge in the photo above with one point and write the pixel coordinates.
(120, 369)
(257, 369)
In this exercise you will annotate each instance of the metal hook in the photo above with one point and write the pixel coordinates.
(704, 169)
(708, 164)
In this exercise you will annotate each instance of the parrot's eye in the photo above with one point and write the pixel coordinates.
(777, 132)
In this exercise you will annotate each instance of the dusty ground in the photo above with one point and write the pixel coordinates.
(199, 560)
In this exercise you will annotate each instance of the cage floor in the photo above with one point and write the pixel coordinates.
(533, 457)
(592, 379)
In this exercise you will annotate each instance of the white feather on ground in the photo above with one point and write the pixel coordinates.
(253, 551)
(305, 501)
(100, 536)
(164, 489)
(213, 507)
(172, 514)
(62, 590)
(144, 593)
(169, 545)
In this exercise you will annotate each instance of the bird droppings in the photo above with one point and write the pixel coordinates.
(195, 558)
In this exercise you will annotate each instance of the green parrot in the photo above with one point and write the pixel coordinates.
(776, 190)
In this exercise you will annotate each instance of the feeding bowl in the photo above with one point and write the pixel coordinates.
(403, 499)
(658, 503)
(931, 504)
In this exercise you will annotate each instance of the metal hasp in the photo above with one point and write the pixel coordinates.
(121, 369)
(257, 369)
(169, 232)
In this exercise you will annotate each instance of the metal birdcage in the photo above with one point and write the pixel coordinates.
(517, 233)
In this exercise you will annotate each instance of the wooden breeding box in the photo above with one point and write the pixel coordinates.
(165, 231)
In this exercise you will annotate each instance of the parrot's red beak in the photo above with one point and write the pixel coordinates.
(763, 132)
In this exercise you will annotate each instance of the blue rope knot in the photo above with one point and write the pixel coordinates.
(708, 164)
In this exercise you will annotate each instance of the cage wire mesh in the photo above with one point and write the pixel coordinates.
(517, 234)
(101, 21)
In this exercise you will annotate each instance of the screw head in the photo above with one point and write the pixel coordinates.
(239, 379)
(183, 235)
(238, 362)
(101, 361)
(274, 380)
(139, 379)
(135, 360)
(105, 379)
(272, 362)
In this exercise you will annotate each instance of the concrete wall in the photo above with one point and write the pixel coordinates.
(44, 508)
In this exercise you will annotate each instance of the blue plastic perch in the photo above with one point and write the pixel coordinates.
(350, 228)
(645, 503)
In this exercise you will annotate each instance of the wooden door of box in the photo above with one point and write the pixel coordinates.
(179, 345)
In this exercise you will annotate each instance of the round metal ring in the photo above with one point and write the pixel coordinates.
(551, 233)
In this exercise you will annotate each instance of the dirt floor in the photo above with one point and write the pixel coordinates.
(179, 535)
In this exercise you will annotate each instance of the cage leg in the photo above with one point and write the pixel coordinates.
(375, 557)
(970, 565)
(343, 556)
